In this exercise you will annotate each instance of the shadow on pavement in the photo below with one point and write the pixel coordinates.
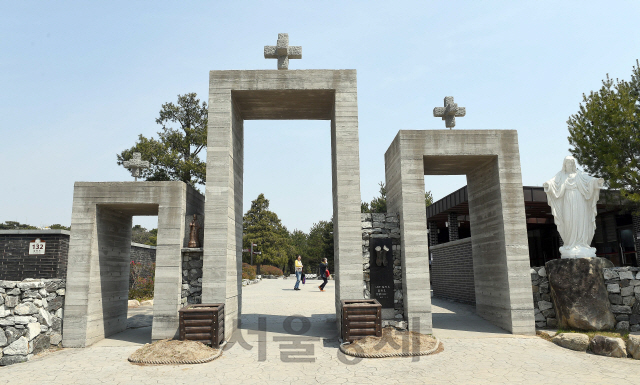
(317, 325)
(454, 316)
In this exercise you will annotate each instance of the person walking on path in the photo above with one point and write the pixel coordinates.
(298, 272)
(324, 273)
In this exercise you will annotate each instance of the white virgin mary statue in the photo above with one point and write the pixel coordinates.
(573, 195)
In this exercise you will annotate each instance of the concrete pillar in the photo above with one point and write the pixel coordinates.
(433, 234)
(404, 177)
(453, 226)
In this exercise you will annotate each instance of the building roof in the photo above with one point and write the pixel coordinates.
(535, 200)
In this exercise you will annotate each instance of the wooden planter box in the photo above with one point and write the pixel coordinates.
(203, 323)
(361, 318)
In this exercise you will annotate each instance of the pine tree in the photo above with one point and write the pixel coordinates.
(175, 155)
(263, 227)
(605, 134)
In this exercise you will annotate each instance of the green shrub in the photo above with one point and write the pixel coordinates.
(248, 271)
(141, 281)
(270, 270)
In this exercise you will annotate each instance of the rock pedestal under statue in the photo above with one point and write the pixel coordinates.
(579, 293)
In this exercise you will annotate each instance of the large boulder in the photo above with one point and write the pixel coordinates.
(18, 347)
(12, 334)
(55, 303)
(41, 343)
(579, 293)
(10, 360)
(633, 345)
(33, 330)
(29, 285)
(573, 341)
(607, 346)
(55, 338)
(25, 308)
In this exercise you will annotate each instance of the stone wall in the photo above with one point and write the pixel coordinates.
(452, 271)
(623, 286)
(30, 317)
(191, 277)
(144, 254)
(379, 225)
(544, 311)
(15, 262)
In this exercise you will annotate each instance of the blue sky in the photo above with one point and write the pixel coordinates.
(80, 80)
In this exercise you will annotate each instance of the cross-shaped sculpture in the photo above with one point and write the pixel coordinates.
(282, 51)
(449, 112)
(135, 165)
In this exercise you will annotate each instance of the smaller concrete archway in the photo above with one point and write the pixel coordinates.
(491, 161)
(99, 256)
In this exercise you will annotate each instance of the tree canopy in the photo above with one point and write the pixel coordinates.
(263, 227)
(605, 134)
(140, 234)
(13, 225)
(320, 244)
(174, 156)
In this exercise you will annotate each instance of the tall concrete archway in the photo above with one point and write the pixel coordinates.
(236, 96)
(491, 161)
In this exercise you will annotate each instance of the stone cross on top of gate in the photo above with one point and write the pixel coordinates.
(135, 165)
(449, 112)
(282, 51)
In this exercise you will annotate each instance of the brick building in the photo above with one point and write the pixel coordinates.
(617, 238)
(17, 264)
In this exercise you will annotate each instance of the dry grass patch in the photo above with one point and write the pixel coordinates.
(394, 341)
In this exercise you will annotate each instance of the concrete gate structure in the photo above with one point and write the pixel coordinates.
(235, 96)
(491, 161)
(99, 256)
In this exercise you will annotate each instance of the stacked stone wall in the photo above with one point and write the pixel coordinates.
(544, 311)
(385, 226)
(16, 264)
(191, 278)
(623, 286)
(452, 271)
(30, 317)
(144, 254)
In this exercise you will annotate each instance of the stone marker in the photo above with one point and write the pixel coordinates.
(381, 271)
(607, 346)
(135, 165)
(579, 294)
(449, 112)
(573, 341)
(282, 51)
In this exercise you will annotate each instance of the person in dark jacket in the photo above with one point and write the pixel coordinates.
(324, 273)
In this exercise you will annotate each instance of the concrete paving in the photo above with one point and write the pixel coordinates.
(475, 352)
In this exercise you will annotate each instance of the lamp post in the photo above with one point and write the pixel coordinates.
(254, 252)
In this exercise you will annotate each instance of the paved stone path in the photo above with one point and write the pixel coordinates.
(475, 352)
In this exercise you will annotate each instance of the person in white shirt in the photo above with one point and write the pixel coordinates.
(298, 272)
